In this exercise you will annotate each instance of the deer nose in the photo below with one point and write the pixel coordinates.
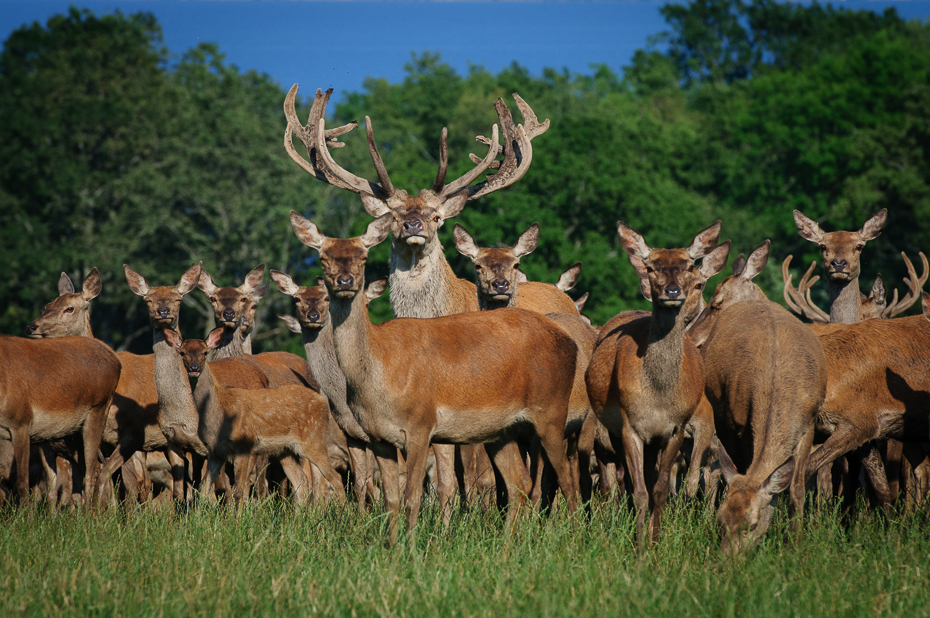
(413, 225)
(162, 313)
(673, 291)
(195, 367)
(313, 316)
(229, 315)
(501, 286)
(839, 264)
(31, 329)
(345, 282)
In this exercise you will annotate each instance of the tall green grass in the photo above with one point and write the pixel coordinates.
(265, 559)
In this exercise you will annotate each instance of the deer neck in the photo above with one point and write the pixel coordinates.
(83, 329)
(664, 349)
(845, 301)
(352, 334)
(233, 344)
(177, 414)
(422, 283)
(321, 356)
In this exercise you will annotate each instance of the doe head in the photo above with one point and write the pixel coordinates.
(497, 269)
(193, 352)
(235, 306)
(312, 302)
(841, 250)
(67, 315)
(164, 302)
(343, 259)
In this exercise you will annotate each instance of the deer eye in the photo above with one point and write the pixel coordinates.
(699, 287)
(69, 310)
(437, 218)
(860, 247)
(213, 299)
(823, 247)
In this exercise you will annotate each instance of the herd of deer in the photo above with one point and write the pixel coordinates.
(504, 382)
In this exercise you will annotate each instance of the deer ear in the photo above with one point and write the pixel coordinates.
(632, 242)
(527, 242)
(258, 293)
(64, 285)
(780, 479)
(375, 289)
(320, 282)
(190, 278)
(374, 206)
(172, 337)
(464, 243)
(726, 464)
(645, 288)
(705, 241)
(807, 227)
(569, 278)
(739, 264)
(872, 227)
(254, 278)
(92, 286)
(283, 282)
(205, 283)
(579, 303)
(292, 324)
(756, 260)
(306, 230)
(377, 231)
(878, 291)
(714, 262)
(136, 282)
(519, 276)
(213, 339)
(639, 266)
(453, 205)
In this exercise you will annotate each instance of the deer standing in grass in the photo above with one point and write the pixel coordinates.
(459, 379)
(316, 330)
(646, 377)
(53, 388)
(841, 259)
(422, 282)
(132, 420)
(766, 378)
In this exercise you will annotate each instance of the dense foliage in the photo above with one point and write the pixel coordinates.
(110, 153)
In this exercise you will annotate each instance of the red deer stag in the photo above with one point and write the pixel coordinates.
(476, 374)
(646, 377)
(766, 378)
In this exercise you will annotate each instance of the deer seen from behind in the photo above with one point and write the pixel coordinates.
(413, 382)
(646, 377)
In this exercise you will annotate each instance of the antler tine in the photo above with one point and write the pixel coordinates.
(457, 185)
(914, 285)
(386, 184)
(799, 299)
(886, 312)
(517, 147)
(443, 162)
(318, 140)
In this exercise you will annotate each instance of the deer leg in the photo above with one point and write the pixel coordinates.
(846, 438)
(214, 468)
(361, 472)
(317, 451)
(633, 451)
(552, 439)
(666, 458)
(92, 434)
(485, 487)
(700, 455)
(121, 455)
(505, 455)
(20, 436)
(894, 454)
(583, 452)
(177, 462)
(386, 456)
(300, 484)
(49, 468)
(875, 473)
(242, 467)
(417, 448)
(798, 485)
(446, 485)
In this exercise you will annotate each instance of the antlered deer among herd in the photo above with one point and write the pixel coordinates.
(502, 380)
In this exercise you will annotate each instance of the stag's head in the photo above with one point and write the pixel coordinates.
(841, 250)
(747, 511)
(415, 218)
(164, 302)
(67, 315)
(671, 273)
(235, 307)
(497, 269)
(343, 260)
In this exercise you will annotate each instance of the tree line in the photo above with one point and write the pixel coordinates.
(112, 152)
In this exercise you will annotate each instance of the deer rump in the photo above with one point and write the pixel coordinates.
(478, 374)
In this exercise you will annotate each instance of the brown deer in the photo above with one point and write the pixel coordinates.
(53, 388)
(287, 422)
(475, 376)
(132, 420)
(422, 282)
(766, 378)
(313, 325)
(646, 377)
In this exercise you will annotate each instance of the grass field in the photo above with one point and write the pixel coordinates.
(267, 560)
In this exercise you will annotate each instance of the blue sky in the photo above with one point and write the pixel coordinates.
(338, 44)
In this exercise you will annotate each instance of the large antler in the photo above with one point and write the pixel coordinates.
(914, 284)
(799, 299)
(318, 140)
(517, 150)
